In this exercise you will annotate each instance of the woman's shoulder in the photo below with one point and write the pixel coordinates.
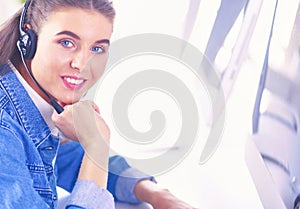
(7, 113)
(8, 122)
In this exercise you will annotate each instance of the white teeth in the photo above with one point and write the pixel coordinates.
(73, 81)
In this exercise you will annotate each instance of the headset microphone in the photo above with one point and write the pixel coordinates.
(27, 47)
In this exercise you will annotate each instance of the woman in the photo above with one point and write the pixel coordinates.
(51, 54)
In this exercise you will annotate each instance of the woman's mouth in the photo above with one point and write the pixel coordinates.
(73, 83)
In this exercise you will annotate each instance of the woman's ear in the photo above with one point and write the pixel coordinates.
(27, 26)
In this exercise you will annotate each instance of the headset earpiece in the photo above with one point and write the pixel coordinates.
(28, 40)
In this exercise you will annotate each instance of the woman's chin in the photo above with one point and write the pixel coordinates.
(69, 100)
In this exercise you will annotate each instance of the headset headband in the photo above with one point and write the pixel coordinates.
(22, 19)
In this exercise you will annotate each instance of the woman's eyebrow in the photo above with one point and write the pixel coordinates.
(105, 41)
(70, 33)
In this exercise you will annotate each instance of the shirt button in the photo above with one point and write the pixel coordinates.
(48, 148)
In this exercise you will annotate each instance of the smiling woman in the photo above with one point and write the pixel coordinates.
(66, 77)
(52, 52)
(72, 44)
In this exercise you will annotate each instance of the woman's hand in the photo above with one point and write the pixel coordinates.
(166, 200)
(82, 122)
(159, 198)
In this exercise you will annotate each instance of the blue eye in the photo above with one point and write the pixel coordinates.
(98, 49)
(66, 43)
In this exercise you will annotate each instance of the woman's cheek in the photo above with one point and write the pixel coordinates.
(97, 72)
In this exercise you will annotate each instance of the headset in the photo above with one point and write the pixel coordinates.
(27, 46)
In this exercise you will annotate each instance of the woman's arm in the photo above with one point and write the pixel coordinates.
(91, 171)
(90, 189)
(83, 123)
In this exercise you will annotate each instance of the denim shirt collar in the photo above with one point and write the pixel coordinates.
(27, 113)
(44, 107)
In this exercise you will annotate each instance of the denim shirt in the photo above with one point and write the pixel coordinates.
(27, 153)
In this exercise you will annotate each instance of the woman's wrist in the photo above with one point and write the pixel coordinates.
(97, 150)
(91, 170)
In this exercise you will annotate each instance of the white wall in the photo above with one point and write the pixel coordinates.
(8, 8)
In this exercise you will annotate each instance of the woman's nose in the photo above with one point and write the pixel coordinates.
(79, 61)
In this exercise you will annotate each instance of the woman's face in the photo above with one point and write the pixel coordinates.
(72, 51)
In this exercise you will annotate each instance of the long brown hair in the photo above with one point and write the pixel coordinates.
(35, 15)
